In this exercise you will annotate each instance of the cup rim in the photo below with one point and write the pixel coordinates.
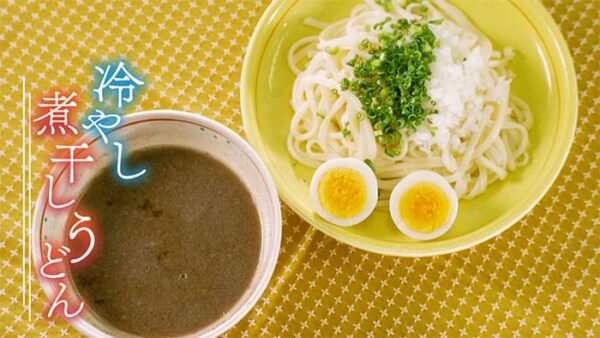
(269, 264)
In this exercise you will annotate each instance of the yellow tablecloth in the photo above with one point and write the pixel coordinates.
(541, 277)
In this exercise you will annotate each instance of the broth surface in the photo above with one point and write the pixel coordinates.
(179, 249)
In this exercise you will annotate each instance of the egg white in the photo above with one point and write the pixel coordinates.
(407, 182)
(369, 179)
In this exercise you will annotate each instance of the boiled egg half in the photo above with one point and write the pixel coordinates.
(343, 191)
(423, 205)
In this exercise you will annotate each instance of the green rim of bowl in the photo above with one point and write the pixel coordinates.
(563, 77)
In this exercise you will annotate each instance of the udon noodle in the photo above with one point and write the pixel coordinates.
(480, 129)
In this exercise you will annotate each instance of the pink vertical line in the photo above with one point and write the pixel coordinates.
(23, 178)
(30, 187)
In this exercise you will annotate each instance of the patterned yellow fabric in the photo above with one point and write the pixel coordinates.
(541, 277)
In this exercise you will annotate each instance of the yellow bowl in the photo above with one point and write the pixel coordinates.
(545, 79)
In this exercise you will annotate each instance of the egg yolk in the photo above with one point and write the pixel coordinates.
(342, 192)
(424, 207)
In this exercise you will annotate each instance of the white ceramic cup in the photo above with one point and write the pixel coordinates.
(154, 128)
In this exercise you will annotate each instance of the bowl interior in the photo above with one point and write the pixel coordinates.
(144, 130)
(544, 79)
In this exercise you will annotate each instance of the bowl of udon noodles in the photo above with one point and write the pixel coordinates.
(481, 92)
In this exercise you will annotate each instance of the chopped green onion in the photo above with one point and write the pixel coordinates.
(345, 131)
(370, 164)
(390, 84)
(364, 44)
(379, 25)
(332, 50)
